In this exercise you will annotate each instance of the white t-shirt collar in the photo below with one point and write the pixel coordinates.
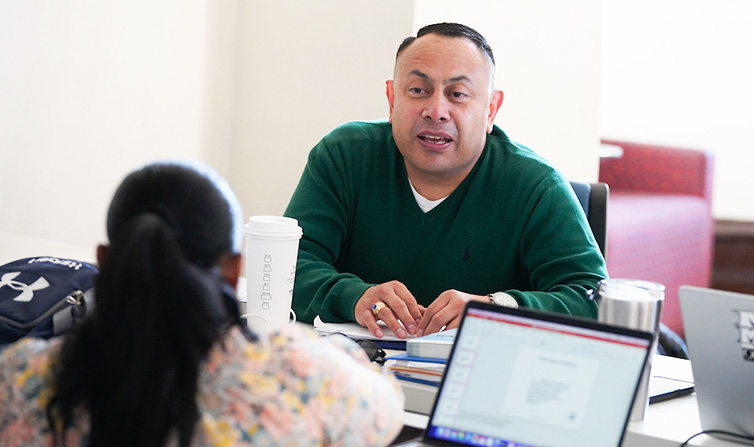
(425, 204)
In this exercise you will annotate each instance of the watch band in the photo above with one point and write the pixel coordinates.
(503, 299)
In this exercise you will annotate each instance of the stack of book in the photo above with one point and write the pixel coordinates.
(425, 358)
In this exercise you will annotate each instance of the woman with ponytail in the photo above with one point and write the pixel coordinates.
(165, 360)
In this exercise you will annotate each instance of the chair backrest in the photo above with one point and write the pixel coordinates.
(593, 198)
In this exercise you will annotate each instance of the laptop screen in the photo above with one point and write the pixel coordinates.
(523, 378)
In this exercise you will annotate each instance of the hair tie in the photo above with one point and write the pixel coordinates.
(164, 214)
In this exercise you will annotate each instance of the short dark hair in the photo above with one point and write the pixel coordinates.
(446, 29)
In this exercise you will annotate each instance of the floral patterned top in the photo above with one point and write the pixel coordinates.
(290, 389)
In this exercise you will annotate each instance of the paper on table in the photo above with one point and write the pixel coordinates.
(354, 330)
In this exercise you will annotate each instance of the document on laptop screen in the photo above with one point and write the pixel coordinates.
(539, 382)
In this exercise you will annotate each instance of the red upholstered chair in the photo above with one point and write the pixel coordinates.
(660, 221)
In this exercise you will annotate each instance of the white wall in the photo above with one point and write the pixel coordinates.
(303, 68)
(90, 90)
(681, 72)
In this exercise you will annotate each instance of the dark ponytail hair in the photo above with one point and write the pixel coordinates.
(161, 304)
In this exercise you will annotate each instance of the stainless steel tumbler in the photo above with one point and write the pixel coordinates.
(633, 304)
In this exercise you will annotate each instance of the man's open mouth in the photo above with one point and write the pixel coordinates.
(435, 139)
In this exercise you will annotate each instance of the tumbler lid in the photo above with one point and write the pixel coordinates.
(630, 290)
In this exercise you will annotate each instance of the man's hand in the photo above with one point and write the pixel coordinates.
(401, 312)
(446, 310)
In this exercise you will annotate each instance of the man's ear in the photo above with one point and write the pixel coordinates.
(390, 97)
(230, 268)
(495, 102)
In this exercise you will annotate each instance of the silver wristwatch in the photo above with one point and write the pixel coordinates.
(502, 299)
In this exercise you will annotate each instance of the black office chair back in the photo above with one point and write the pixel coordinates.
(593, 199)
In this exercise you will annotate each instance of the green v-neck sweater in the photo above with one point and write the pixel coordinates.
(513, 225)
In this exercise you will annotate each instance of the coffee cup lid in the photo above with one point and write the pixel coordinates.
(273, 227)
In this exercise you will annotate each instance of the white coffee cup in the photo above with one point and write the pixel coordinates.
(271, 255)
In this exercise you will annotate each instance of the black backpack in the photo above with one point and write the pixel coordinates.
(43, 296)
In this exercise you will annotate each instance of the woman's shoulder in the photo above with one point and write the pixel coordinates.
(291, 378)
(28, 356)
(292, 346)
(25, 368)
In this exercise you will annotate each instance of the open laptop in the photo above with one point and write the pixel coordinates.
(519, 377)
(719, 329)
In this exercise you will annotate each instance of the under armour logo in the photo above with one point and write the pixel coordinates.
(27, 290)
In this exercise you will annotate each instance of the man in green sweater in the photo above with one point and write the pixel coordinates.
(406, 220)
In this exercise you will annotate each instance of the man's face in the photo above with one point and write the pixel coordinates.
(442, 104)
